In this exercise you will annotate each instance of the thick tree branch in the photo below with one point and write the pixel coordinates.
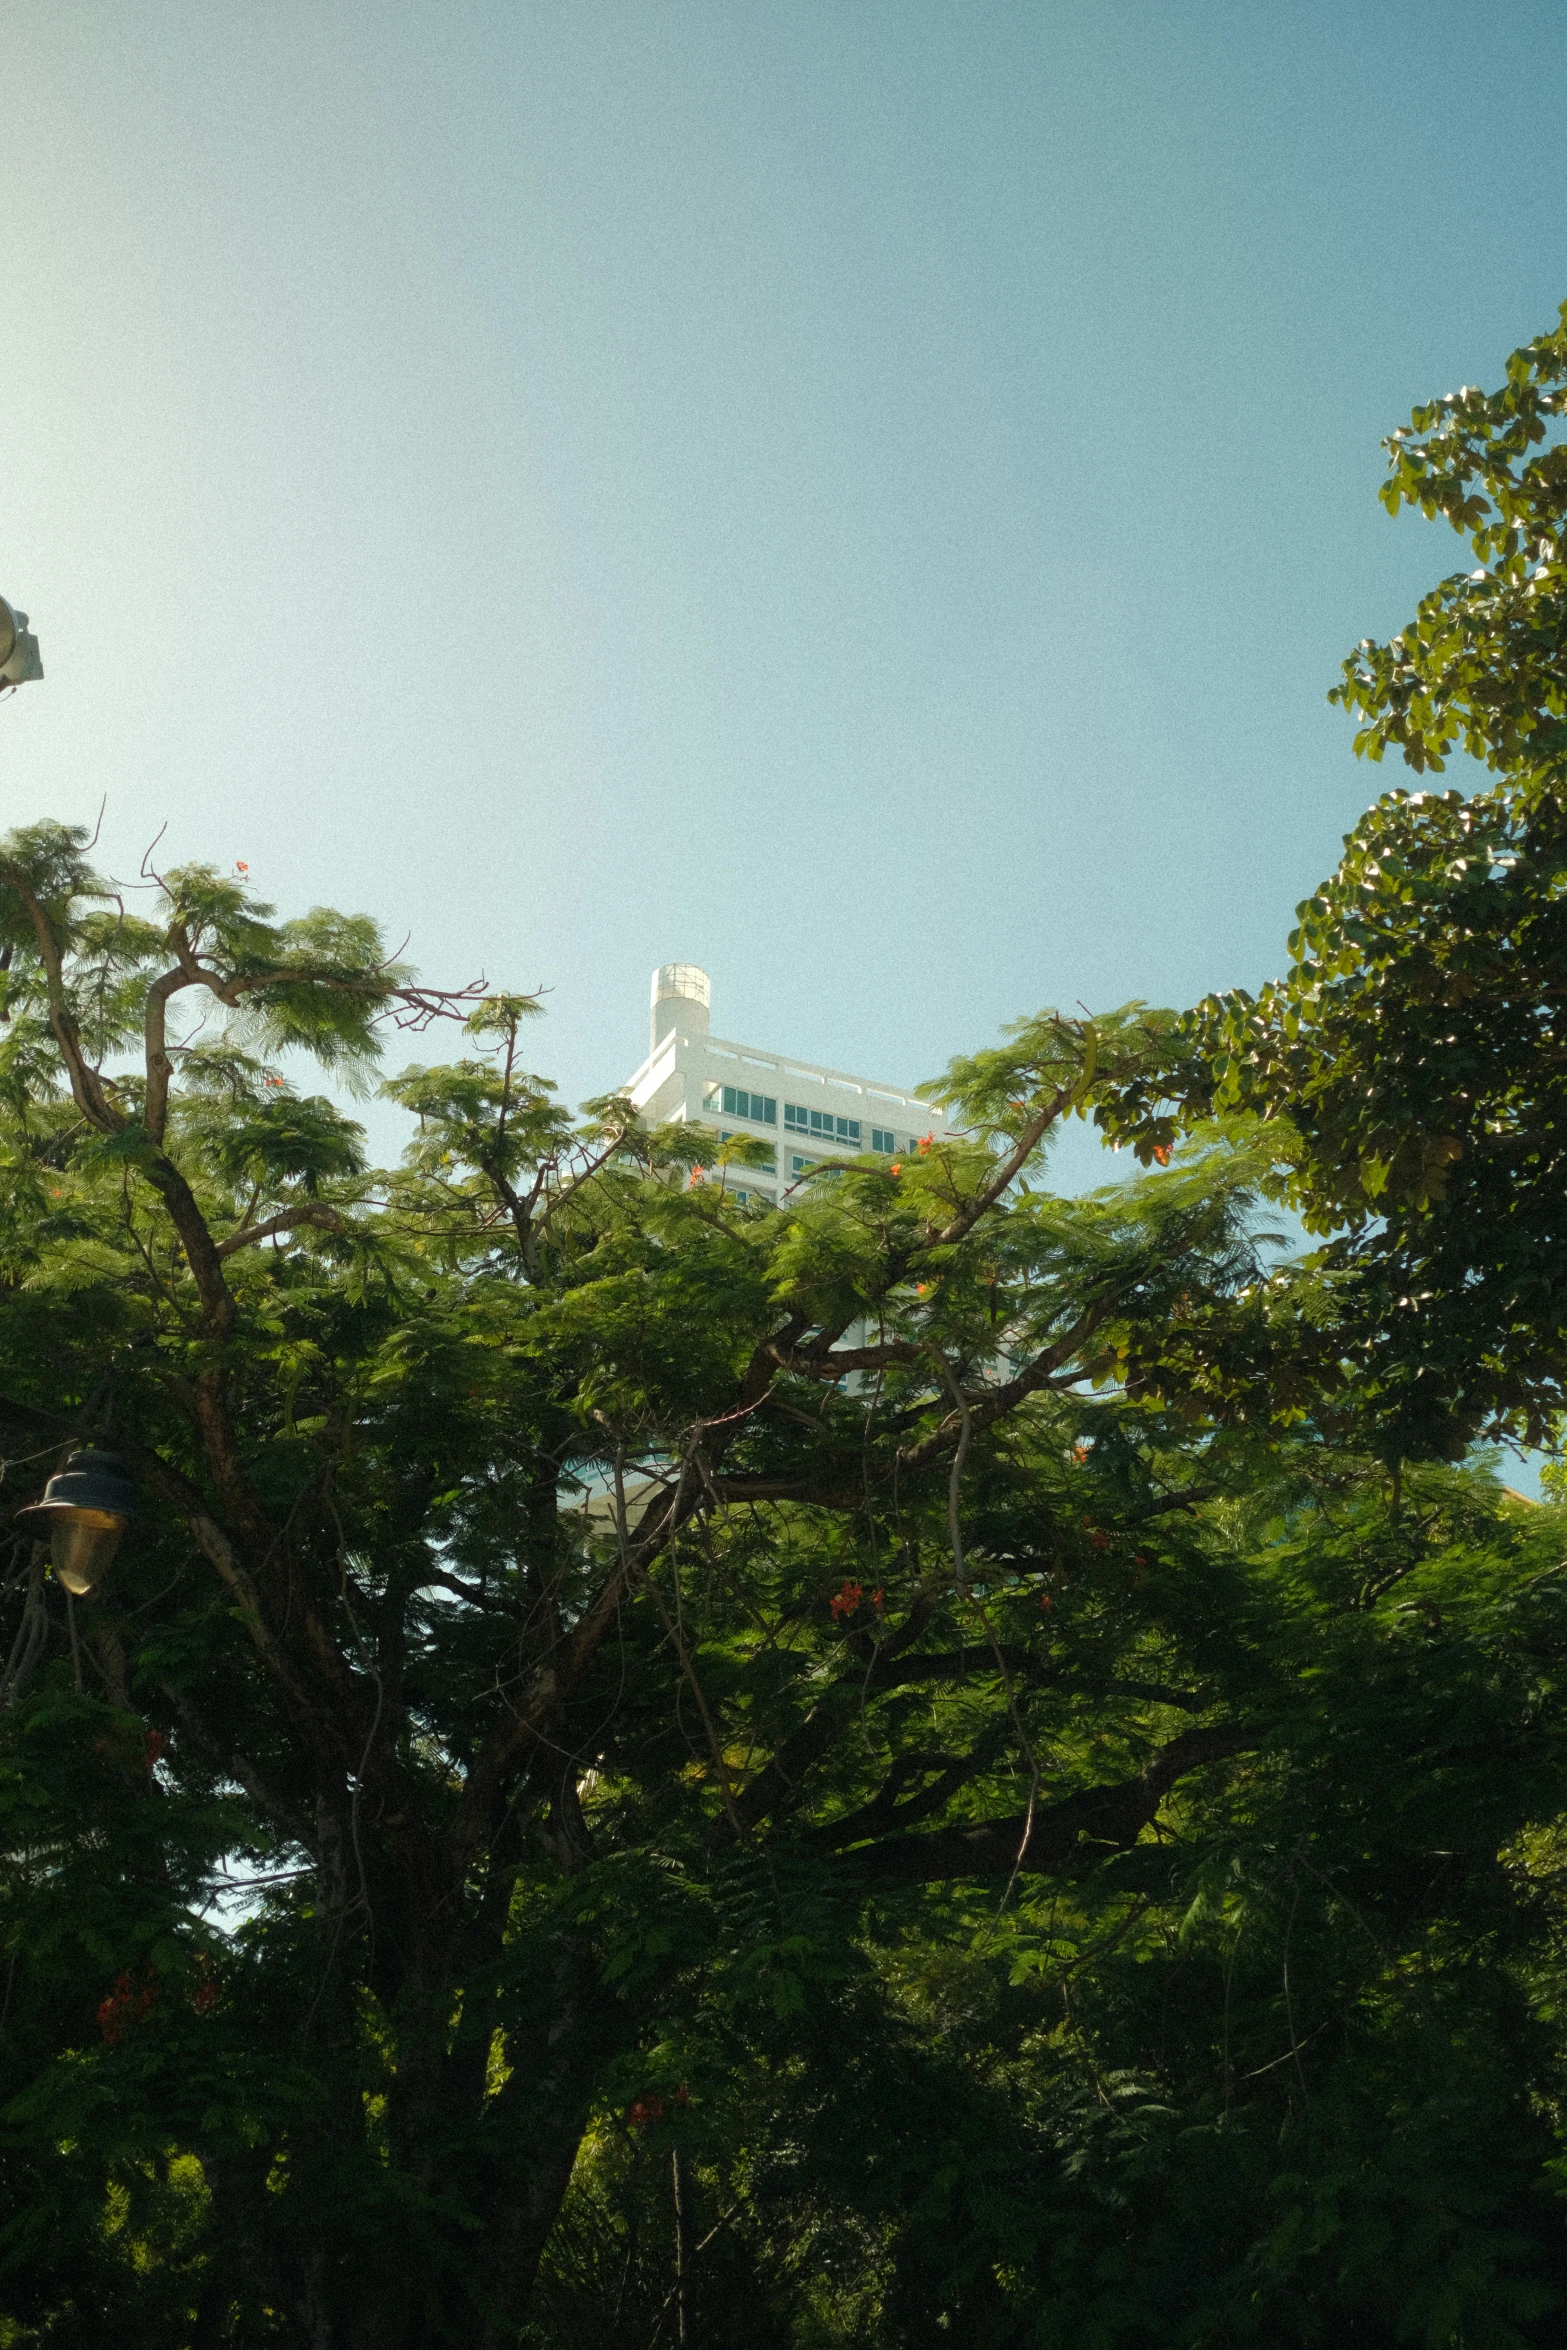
(1010, 1167)
(1063, 1836)
(780, 1778)
(91, 1095)
(316, 1212)
(994, 1403)
(889, 1809)
(160, 1069)
(842, 1360)
(571, 1657)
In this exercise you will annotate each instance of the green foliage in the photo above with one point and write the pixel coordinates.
(1406, 1075)
(1481, 663)
(933, 1763)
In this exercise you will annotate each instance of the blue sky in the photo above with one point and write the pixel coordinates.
(866, 498)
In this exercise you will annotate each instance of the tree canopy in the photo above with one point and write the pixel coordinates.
(1409, 1067)
(937, 1761)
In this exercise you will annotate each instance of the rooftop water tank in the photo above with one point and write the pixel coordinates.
(682, 995)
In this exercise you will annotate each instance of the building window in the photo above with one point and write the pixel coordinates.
(884, 1140)
(797, 1165)
(821, 1125)
(735, 1102)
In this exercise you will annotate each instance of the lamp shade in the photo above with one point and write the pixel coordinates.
(84, 1511)
(19, 659)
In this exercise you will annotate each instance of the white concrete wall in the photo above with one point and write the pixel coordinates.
(679, 1074)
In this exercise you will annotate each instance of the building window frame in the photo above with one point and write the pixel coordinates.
(736, 1101)
(822, 1125)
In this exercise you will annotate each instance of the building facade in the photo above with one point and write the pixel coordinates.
(807, 1114)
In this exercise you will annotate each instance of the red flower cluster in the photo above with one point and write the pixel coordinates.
(851, 1599)
(648, 2108)
(925, 1142)
(1161, 1151)
(125, 2005)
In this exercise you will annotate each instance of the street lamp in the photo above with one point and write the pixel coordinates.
(84, 1511)
(19, 659)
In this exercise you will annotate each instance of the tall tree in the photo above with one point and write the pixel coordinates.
(557, 1579)
(1412, 1065)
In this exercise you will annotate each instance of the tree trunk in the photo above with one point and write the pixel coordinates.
(550, 2098)
(678, 2182)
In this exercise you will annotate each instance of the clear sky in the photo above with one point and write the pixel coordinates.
(868, 498)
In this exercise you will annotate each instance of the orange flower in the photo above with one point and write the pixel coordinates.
(1079, 1452)
(645, 2110)
(876, 1600)
(1161, 1152)
(925, 1142)
(1045, 1599)
(240, 865)
(847, 1601)
(125, 2005)
(895, 1168)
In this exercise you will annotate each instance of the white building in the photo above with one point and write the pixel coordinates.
(807, 1113)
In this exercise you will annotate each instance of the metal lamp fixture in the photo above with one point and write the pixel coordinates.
(84, 1511)
(20, 662)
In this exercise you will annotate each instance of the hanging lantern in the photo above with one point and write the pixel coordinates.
(19, 661)
(84, 1511)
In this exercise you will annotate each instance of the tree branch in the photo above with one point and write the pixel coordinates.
(160, 1069)
(1063, 1836)
(780, 1778)
(886, 1812)
(995, 1402)
(316, 1212)
(87, 1087)
(1010, 1168)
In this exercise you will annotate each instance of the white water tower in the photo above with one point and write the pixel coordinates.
(682, 998)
